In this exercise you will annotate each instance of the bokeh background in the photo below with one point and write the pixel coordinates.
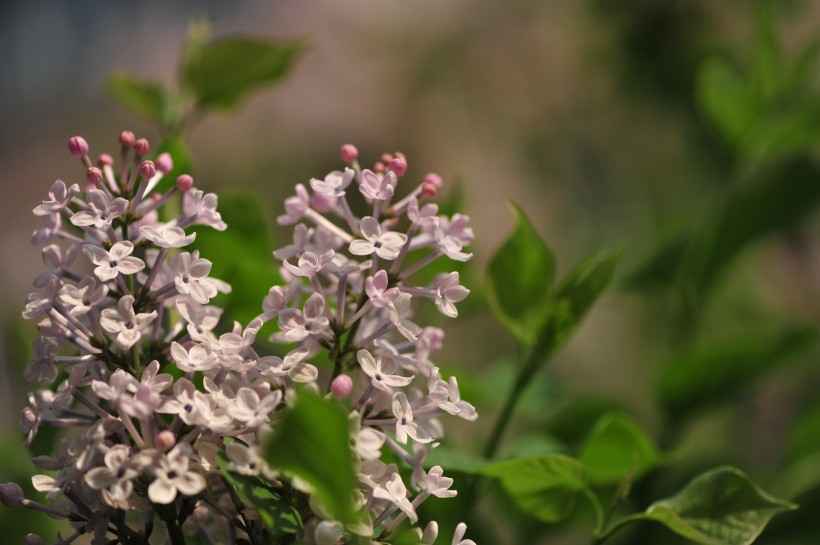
(598, 117)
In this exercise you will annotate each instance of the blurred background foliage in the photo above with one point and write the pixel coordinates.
(684, 133)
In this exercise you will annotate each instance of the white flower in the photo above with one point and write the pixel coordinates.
(200, 208)
(292, 366)
(252, 410)
(100, 212)
(375, 187)
(328, 532)
(381, 371)
(82, 298)
(301, 237)
(56, 262)
(404, 421)
(295, 207)
(385, 245)
(451, 236)
(437, 484)
(174, 475)
(114, 261)
(399, 313)
(126, 324)
(191, 278)
(297, 326)
(461, 529)
(167, 236)
(115, 478)
(334, 183)
(59, 197)
(395, 492)
(245, 460)
(448, 292)
(200, 357)
(310, 263)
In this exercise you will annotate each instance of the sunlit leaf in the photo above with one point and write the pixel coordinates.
(221, 73)
(312, 443)
(147, 99)
(546, 487)
(617, 448)
(521, 276)
(719, 507)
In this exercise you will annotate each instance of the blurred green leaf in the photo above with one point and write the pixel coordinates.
(148, 99)
(546, 487)
(805, 438)
(716, 372)
(221, 73)
(771, 202)
(241, 254)
(279, 516)
(456, 460)
(768, 72)
(312, 443)
(521, 275)
(725, 96)
(617, 448)
(719, 507)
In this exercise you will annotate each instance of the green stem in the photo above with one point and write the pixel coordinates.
(602, 536)
(340, 353)
(530, 366)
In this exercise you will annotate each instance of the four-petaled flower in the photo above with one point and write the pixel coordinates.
(124, 323)
(386, 245)
(116, 261)
(100, 212)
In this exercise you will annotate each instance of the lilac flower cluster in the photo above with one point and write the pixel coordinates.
(159, 398)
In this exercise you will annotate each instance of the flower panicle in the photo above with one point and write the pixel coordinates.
(158, 392)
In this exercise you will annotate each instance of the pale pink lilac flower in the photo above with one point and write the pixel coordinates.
(59, 196)
(174, 475)
(405, 425)
(124, 323)
(100, 212)
(116, 261)
(386, 245)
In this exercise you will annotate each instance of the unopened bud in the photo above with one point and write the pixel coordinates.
(378, 168)
(141, 147)
(433, 178)
(341, 386)
(164, 163)
(77, 146)
(127, 139)
(147, 169)
(185, 182)
(11, 495)
(398, 165)
(104, 160)
(428, 190)
(349, 153)
(94, 175)
(165, 440)
(33, 539)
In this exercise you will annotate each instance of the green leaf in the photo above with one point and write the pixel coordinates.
(719, 507)
(725, 96)
(274, 510)
(221, 73)
(579, 290)
(521, 276)
(768, 74)
(546, 487)
(241, 254)
(312, 443)
(617, 448)
(717, 371)
(456, 460)
(147, 99)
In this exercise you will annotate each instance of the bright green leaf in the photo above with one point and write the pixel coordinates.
(726, 98)
(456, 460)
(148, 99)
(546, 487)
(312, 443)
(617, 448)
(719, 507)
(279, 516)
(221, 73)
(521, 275)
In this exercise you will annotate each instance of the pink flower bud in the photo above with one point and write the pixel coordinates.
(141, 147)
(93, 175)
(11, 495)
(33, 539)
(185, 182)
(127, 139)
(77, 146)
(164, 163)
(428, 190)
(147, 169)
(433, 178)
(104, 160)
(341, 386)
(349, 153)
(165, 440)
(378, 168)
(398, 165)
